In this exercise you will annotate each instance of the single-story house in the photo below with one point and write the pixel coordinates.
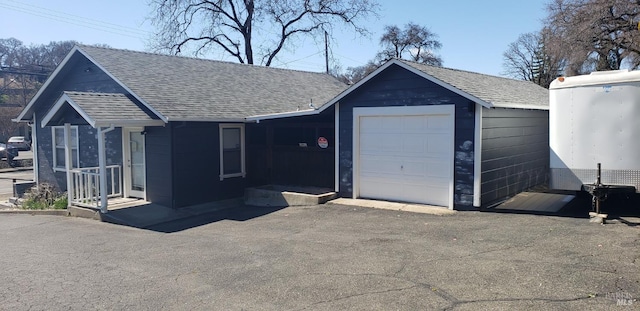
(173, 130)
(180, 131)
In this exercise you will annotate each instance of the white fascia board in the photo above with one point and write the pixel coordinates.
(222, 120)
(444, 84)
(324, 107)
(299, 113)
(128, 123)
(356, 85)
(157, 113)
(21, 117)
(520, 106)
(61, 101)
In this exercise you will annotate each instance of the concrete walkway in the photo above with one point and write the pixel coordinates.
(147, 215)
(404, 207)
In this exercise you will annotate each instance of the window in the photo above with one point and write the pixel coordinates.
(231, 150)
(58, 147)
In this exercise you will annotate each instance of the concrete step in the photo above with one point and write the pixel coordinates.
(282, 196)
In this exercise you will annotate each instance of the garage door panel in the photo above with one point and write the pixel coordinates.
(439, 168)
(379, 165)
(380, 142)
(406, 158)
(439, 122)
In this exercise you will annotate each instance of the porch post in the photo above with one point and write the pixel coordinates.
(102, 163)
(68, 165)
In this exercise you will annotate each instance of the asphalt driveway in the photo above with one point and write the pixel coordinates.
(320, 258)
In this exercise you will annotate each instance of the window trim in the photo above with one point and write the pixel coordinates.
(243, 171)
(54, 147)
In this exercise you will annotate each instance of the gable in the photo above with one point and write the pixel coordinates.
(396, 86)
(75, 73)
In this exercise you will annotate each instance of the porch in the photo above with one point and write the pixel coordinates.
(113, 174)
(85, 189)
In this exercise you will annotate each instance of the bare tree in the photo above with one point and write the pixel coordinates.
(594, 34)
(414, 42)
(8, 127)
(527, 59)
(355, 74)
(248, 29)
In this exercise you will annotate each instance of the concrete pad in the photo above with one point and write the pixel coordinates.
(283, 196)
(536, 202)
(395, 206)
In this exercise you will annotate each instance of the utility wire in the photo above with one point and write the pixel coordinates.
(74, 19)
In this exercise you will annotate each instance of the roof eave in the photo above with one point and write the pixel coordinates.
(306, 112)
(128, 123)
(443, 84)
(92, 121)
(411, 69)
(59, 103)
(520, 106)
(231, 120)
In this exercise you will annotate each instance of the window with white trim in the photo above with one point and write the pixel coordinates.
(57, 133)
(231, 150)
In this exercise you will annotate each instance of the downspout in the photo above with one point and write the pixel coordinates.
(34, 149)
(68, 165)
(102, 163)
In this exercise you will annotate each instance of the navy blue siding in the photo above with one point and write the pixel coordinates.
(398, 87)
(78, 75)
(275, 154)
(196, 165)
(159, 168)
(515, 152)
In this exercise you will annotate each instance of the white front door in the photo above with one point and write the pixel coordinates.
(134, 167)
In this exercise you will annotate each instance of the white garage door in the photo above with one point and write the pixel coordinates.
(406, 154)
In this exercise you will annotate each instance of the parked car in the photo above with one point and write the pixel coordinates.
(19, 142)
(8, 152)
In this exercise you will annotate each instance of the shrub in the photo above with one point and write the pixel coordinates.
(44, 196)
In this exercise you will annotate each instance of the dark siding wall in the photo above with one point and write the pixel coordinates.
(78, 75)
(274, 154)
(158, 161)
(399, 87)
(196, 165)
(515, 152)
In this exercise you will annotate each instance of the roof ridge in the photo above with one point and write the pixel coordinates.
(95, 93)
(464, 71)
(83, 46)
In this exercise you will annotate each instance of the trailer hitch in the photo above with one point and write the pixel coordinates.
(600, 192)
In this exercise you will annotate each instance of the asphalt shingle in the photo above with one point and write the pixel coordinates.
(498, 91)
(105, 107)
(182, 88)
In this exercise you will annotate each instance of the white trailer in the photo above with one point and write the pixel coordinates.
(595, 120)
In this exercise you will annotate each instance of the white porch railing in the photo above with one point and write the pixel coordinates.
(85, 185)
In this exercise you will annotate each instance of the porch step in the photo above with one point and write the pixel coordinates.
(83, 212)
(282, 196)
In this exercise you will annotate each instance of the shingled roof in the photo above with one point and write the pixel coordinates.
(182, 88)
(103, 109)
(190, 89)
(492, 90)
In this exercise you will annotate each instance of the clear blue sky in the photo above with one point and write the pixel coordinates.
(473, 33)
